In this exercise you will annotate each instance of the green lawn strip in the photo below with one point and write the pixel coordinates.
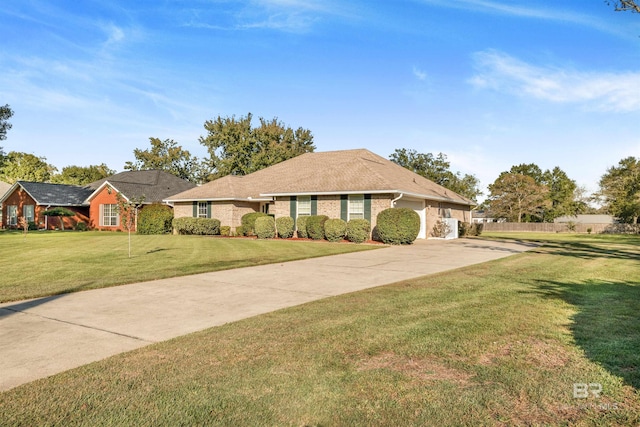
(43, 264)
(497, 343)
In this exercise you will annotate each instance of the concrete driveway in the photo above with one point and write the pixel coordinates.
(44, 336)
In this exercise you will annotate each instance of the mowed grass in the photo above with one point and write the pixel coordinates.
(500, 343)
(41, 264)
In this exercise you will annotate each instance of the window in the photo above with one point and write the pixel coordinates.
(304, 205)
(28, 212)
(356, 207)
(12, 215)
(202, 209)
(109, 215)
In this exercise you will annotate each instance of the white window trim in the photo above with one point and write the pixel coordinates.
(12, 209)
(32, 208)
(305, 199)
(201, 206)
(350, 206)
(114, 214)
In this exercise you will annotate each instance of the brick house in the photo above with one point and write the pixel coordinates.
(342, 184)
(94, 204)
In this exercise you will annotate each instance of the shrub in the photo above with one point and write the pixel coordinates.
(32, 226)
(589, 230)
(199, 226)
(398, 226)
(302, 227)
(225, 230)
(441, 229)
(249, 222)
(335, 229)
(240, 231)
(358, 230)
(155, 219)
(284, 225)
(477, 229)
(265, 227)
(464, 229)
(82, 226)
(315, 226)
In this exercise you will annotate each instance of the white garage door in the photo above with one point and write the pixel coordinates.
(418, 206)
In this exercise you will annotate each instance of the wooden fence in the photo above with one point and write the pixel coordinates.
(551, 227)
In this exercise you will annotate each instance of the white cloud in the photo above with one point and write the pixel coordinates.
(603, 91)
(419, 74)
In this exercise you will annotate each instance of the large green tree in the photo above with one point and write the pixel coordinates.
(82, 175)
(437, 169)
(235, 147)
(168, 156)
(620, 190)
(514, 195)
(5, 114)
(26, 167)
(563, 194)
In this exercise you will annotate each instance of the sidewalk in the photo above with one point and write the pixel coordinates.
(44, 336)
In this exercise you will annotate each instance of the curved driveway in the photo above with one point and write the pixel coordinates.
(45, 336)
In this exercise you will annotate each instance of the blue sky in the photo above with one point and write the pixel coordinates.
(490, 83)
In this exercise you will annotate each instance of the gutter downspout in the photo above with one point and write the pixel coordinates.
(393, 202)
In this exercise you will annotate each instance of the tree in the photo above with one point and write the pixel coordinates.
(437, 169)
(128, 211)
(562, 194)
(168, 156)
(514, 195)
(625, 5)
(26, 167)
(60, 212)
(620, 190)
(82, 175)
(5, 114)
(235, 147)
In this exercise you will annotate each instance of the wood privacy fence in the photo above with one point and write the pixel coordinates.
(552, 227)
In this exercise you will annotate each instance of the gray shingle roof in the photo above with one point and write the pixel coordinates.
(56, 194)
(153, 185)
(335, 172)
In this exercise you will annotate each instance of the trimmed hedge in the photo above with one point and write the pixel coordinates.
(249, 222)
(284, 225)
(335, 229)
(398, 226)
(302, 227)
(358, 230)
(315, 226)
(155, 219)
(225, 230)
(265, 227)
(199, 226)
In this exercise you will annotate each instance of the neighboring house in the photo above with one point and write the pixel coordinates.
(29, 200)
(147, 186)
(586, 219)
(94, 204)
(482, 216)
(4, 187)
(340, 184)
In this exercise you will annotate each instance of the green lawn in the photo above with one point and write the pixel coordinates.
(49, 263)
(501, 343)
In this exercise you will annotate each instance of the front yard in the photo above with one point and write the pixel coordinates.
(548, 337)
(48, 263)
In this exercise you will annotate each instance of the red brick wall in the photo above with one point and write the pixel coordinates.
(104, 197)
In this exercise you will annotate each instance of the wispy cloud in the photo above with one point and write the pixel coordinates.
(419, 74)
(594, 90)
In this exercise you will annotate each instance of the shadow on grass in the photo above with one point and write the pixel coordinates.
(607, 324)
(589, 251)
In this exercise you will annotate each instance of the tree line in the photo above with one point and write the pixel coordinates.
(524, 193)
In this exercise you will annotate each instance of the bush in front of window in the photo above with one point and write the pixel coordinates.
(285, 225)
(249, 222)
(358, 230)
(398, 226)
(198, 226)
(82, 226)
(155, 219)
(265, 227)
(335, 229)
(302, 227)
(315, 226)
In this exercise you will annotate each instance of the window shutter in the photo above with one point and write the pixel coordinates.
(367, 207)
(344, 207)
(208, 209)
(195, 209)
(293, 205)
(314, 205)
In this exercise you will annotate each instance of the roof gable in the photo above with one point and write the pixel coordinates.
(151, 185)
